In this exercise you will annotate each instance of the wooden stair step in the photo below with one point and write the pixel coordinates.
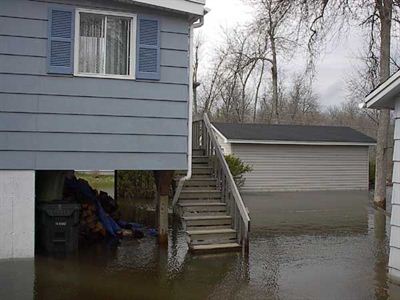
(202, 177)
(201, 182)
(215, 247)
(211, 236)
(200, 194)
(200, 159)
(206, 227)
(201, 208)
(198, 152)
(202, 170)
(207, 218)
(214, 231)
(206, 204)
(200, 190)
(200, 200)
(207, 222)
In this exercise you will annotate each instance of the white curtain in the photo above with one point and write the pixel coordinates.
(104, 44)
(92, 43)
(117, 46)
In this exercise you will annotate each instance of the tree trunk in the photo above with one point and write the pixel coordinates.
(385, 15)
(274, 75)
(258, 91)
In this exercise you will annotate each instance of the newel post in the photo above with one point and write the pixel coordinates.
(163, 181)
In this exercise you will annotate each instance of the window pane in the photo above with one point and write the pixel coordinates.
(118, 43)
(91, 43)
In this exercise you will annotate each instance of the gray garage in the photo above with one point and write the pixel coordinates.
(298, 158)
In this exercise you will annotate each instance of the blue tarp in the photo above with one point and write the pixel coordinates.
(108, 222)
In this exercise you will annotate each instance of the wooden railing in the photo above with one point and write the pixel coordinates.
(204, 138)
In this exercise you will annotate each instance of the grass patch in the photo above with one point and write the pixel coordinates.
(97, 181)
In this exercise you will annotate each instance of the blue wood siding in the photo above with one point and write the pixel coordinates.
(65, 122)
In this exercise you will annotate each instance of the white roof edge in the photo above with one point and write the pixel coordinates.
(194, 7)
(372, 100)
(278, 142)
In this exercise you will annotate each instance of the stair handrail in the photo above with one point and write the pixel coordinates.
(204, 136)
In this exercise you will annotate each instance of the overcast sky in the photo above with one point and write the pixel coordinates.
(332, 68)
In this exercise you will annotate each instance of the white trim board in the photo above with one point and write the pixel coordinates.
(194, 7)
(132, 48)
(279, 142)
(385, 94)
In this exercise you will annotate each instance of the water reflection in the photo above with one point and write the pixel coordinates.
(381, 255)
(303, 246)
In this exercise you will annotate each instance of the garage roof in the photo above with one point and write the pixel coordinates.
(291, 134)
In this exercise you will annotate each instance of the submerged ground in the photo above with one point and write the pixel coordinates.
(319, 245)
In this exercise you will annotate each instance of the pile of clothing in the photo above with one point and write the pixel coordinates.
(100, 218)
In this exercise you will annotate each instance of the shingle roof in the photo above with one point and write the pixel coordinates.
(292, 133)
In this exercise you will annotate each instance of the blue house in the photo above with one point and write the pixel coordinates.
(90, 85)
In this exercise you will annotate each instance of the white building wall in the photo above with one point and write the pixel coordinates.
(394, 257)
(17, 214)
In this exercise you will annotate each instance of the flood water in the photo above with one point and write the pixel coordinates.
(303, 246)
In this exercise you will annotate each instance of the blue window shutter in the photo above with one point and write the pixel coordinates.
(60, 56)
(148, 48)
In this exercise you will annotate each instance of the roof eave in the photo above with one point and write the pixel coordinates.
(310, 143)
(190, 7)
(385, 94)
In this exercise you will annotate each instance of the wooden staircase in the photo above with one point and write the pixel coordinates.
(211, 208)
(204, 214)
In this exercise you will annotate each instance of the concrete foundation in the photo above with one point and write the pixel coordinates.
(17, 214)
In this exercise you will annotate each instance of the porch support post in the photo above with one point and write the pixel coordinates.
(116, 186)
(163, 181)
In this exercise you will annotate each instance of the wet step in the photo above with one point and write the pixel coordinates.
(198, 152)
(212, 236)
(202, 177)
(199, 169)
(200, 194)
(200, 159)
(196, 170)
(207, 222)
(215, 248)
(204, 216)
(202, 208)
(201, 182)
(204, 200)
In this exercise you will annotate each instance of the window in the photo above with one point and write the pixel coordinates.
(105, 44)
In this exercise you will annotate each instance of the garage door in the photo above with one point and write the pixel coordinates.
(304, 168)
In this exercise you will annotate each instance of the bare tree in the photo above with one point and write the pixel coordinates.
(272, 22)
(257, 94)
(196, 83)
(212, 84)
(302, 104)
(377, 16)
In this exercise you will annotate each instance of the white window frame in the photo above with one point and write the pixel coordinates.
(132, 48)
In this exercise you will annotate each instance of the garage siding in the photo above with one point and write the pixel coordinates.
(302, 168)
